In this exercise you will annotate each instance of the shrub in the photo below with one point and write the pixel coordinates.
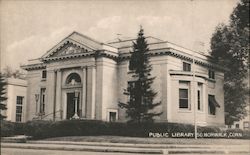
(19, 128)
(7, 128)
(208, 129)
(12, 128)
(40, 129)
(44, 129)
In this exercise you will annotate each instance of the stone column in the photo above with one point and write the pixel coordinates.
(91, 80)
(50, 94)
(93, 92)
(58, 94)
(193, 101)
(84, 87)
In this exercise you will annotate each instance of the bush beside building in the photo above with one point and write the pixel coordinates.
(46, 129)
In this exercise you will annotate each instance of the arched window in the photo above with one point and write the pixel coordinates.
(73, 79)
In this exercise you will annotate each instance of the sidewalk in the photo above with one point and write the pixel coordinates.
(130, 148)
(71, 147)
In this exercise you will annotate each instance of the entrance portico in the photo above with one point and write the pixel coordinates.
(75, 80)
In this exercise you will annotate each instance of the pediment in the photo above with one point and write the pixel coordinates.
(75, 43)
(69, 49)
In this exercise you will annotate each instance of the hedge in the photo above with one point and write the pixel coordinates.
(40, 129)
(12, 128)
(44, 129)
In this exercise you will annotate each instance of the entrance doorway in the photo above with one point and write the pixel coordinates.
(71, 105)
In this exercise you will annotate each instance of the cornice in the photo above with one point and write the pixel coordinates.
(70, 56)
(34, 66)
(170, 52)
(107, 54)
(123, 57)
(187, 73)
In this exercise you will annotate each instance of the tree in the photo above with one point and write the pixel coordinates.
(2, 96)
(230, 49)
(139, 107)
(9, 72)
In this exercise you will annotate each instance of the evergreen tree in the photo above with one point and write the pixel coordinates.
(2, 96)
(139, 107)
(230, 48)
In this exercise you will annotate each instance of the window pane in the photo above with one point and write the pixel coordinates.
(42, 100)
(44, 74)
(211, 106)
(245, 124)
(18, 117)
(73, 78)
(18, 109)
(186, 66)
(199, 100)
(19, 100)
(211, 74)
(112, 116)
(183, 103)
(183, 93)
(183, 98)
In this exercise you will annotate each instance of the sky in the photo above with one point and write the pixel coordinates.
(29, 28)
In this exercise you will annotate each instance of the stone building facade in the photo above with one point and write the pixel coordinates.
(16, 91)
(82, 76)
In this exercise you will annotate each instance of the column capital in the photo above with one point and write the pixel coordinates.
(83, 67)
(51, 71)
(92, 66)
(58, 70)
(54, 70)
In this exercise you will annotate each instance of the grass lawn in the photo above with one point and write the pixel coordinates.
(136, 140)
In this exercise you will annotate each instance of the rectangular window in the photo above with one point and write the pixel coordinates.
(183, 98)
(211, 105)
(19, 108)
(44, 74)
(186, 66)
(42, 100)
(245, 125)
(199, 99)
(237, 126)
(211, 74)
(184, 95)
(112, 116)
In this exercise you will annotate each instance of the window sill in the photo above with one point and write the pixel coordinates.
(43, 79)
(184, 110)
(200, 111)
(212, 116)
(211, 80)
(41, 113)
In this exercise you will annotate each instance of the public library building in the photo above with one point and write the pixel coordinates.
(84, 78)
